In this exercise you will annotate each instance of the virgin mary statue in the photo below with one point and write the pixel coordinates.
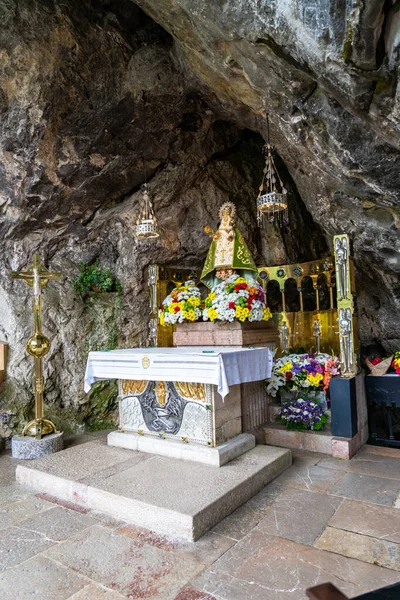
(228, 253)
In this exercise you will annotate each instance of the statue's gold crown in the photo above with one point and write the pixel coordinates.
(228, 206)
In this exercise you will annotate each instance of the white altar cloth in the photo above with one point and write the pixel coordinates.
(221, 366)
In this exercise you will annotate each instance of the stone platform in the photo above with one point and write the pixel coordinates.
(217, 456)
(173, 497)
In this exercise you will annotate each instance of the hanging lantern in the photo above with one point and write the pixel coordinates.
(272, 195)
(146, 223)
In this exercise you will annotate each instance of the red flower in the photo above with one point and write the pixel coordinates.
(376, 361)
(174, 301)
(231, 305)
(289, 376)
(177, 309)
(237, 287)
(397, 369)
(243, 286)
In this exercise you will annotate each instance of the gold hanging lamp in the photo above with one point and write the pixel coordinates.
(146, 223)
(272, 195)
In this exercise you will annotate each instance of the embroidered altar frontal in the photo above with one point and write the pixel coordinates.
(168, 409)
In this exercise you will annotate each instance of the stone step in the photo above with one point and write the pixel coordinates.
(276, 434)
(174, 497)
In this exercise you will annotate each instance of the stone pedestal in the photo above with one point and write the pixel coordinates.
(27, 448)
(257, 333)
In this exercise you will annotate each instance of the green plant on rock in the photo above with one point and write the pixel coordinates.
(94, 278)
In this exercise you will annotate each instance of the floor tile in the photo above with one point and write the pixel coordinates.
(373, 465)
(263, 567)
(362, 547)
(190, 593)
(17, 545)
(42, 579)
(19, 511)
(13, 493)
(124, 565)
(299, 515)
(368, 489)
(368, 449)
(96, 592)
(368, 519)
(265, 497)
(239, 523)
(309, 477)
(58, 523)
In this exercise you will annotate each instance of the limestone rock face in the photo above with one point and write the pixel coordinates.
(327, 74)
(97, 96)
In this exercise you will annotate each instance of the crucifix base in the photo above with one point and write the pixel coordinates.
(37, 428)
(27, 448)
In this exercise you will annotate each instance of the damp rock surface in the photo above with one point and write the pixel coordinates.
(96, 97)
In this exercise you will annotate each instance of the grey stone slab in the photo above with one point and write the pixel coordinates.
(364, 464)
(17, 545)
(138, 570)
(76, 440)
(28, 448)
(309, 477)
(43, 579)
(206, 550)
(171, 478)
(368, 519)
(299, 515)
(368, 489)
(263, 567)
(152, 491)
(155, 494)
(362, 547)
(265, 497)
(80, 461)
(13, 493)
(19, 511)
(239, 523)
(58, 523)
(96, 592)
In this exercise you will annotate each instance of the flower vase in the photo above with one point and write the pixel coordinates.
(288, 396)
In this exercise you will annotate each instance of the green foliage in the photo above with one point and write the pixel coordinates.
(92, 277)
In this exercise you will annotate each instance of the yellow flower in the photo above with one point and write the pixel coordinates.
(241, 313)
(240, 280)
(171, 307)
(315, 379)
(212, 314)
(212, 296)
(162, 318)
(267, 314)
(189, 315)
(195, 302)
(287, 367)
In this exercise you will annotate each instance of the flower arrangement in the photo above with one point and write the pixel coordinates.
(303, 415)
(396, 362)
(183, 304)
(236, 299)
(305, 372)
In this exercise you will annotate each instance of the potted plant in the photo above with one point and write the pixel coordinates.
(303, 415)
(96, 279)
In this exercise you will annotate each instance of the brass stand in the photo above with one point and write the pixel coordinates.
(37, 276)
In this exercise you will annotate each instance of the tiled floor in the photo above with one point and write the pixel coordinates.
(322, 520)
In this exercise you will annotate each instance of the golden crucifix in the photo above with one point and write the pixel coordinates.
(37, 276)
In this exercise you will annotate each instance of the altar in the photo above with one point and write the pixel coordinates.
(183, 402)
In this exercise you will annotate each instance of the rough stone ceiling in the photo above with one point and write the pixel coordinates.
(327, 74)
